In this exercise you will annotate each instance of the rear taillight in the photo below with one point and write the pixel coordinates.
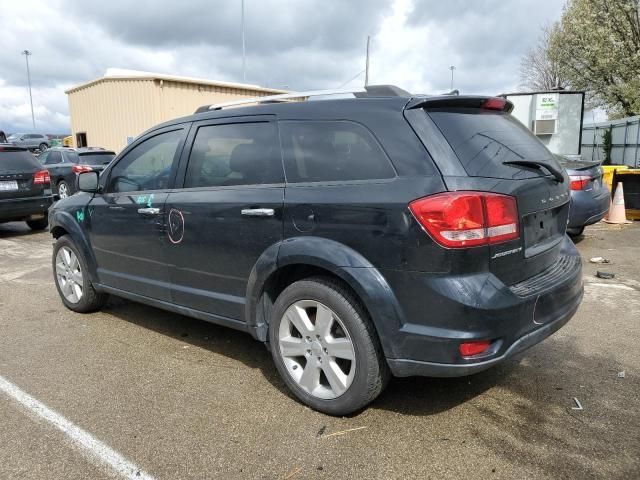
(41, 177)
(467, 219)
(81, 168)
(579, 182)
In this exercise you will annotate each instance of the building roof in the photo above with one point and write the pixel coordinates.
(115, 74)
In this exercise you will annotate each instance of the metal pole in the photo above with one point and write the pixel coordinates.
(366, 68)
(452, 68)
(26, 54)
(244, 75)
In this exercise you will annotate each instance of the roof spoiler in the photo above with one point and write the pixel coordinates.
(462, 101)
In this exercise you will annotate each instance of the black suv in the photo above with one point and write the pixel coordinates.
(65, 163)
(358, 238)
(25, 188)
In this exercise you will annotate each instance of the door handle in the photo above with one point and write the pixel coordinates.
(257, 212)
(149, 211)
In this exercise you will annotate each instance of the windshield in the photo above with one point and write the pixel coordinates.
(96, 158)
(14, 136)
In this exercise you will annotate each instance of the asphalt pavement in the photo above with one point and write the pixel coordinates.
(179, 398)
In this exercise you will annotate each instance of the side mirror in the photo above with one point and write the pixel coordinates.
(88, 182)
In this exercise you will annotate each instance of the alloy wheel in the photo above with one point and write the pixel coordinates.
(69, 274)
(316, 349)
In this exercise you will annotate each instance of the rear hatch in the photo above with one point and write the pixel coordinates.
(479, 146)
(21, 174)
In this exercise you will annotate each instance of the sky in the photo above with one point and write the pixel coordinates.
(298, 45)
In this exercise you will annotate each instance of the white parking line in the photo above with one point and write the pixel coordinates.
(87, 443)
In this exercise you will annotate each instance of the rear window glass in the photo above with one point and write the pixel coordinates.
(322, 151)
(11, 161)
(483, 141)
(95, 158)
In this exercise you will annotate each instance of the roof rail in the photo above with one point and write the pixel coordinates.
(368, 91)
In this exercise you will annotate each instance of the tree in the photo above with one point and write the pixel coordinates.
(538, 71)
(597, 46)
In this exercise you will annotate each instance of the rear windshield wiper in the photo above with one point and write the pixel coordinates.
(557, 174)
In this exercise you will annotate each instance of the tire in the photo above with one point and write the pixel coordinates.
(363, 378)
(575, 232)
(63, 189)
(88, 300)
(37, 225)
(43, 146)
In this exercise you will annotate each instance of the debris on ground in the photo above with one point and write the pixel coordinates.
(599, 260)
(578, 404)
(342, 432)
(621, 374)
(605, 275)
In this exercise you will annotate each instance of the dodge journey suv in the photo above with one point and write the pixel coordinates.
(357, 238)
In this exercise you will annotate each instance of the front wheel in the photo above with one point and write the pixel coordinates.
(325, 347)
(43, 147)
(71, 275)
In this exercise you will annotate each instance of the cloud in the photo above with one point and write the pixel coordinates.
(307, 44)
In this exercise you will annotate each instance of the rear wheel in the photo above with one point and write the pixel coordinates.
(43, 146)
(63, 189)
(575, 232)
(38, 224)
(72, 279)
(325, 347)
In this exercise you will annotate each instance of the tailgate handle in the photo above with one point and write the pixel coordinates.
(257, 212)
(149, 211)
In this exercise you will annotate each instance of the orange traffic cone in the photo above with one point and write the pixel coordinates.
(617, 212)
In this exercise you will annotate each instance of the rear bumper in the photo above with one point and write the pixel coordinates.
(586, 209)
(14, 209)
(513, 318)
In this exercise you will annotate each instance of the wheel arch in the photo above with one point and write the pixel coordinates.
(304, 257)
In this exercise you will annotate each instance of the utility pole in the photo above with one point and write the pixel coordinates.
(452, 68)
(26, 54)
(244, 74)
(366, 68)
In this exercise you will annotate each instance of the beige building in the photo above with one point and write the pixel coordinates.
(110, 111)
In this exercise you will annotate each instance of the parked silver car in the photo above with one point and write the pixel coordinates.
(32, 141)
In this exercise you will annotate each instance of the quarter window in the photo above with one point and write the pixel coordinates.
(235, 154)
(148, 165)
(323, 151)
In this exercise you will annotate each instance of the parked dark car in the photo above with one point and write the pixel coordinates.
(64, 164)
(357, 238)
(25, 190)
(32, 141)
(589, 194)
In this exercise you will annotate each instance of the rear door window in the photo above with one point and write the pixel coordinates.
(235, 154)
(484, 140)
(327, 151)
(53, 158)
